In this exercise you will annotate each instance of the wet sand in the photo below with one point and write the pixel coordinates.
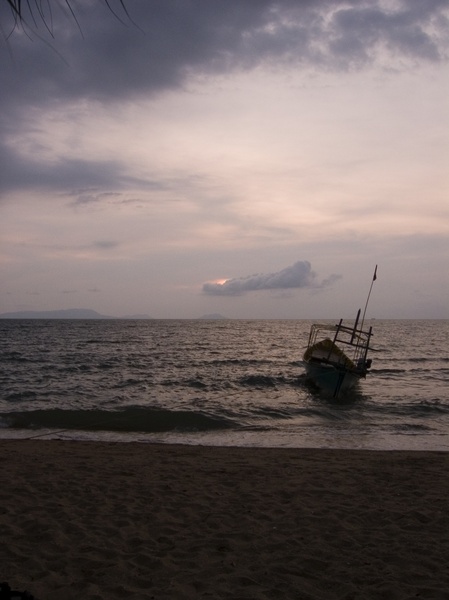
(88, 520)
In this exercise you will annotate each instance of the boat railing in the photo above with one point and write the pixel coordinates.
(356, 341)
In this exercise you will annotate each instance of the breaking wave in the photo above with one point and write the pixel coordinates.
(132, 419)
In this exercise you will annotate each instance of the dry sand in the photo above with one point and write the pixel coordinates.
(84, 521)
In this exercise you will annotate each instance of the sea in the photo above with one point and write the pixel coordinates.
(218, 383)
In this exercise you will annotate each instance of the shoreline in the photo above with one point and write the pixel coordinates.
(94, 520)
(249, 440)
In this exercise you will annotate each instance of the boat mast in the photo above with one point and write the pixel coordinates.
(369, 294)
(355, 326)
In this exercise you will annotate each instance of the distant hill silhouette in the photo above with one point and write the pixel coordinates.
(70, 313)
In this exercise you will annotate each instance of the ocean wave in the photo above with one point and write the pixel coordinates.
(132, 419)
(18, 357)
(433, 406)
(21, 396)
(209, 381)
(387, 371)
(258, 381)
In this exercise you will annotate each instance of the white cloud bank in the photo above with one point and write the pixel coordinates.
(299, 275)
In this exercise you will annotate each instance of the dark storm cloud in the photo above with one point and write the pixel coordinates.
(22, 172)
(416, 30)
(25, 172)
(165, 41)
(108, 56)
(299, 275)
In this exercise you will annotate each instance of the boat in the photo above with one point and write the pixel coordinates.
(336, 357)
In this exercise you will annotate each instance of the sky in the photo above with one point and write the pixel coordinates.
(251, 158)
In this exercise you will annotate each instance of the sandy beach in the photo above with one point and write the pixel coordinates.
(88, 520)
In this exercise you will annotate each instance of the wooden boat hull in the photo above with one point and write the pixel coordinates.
(330, 379)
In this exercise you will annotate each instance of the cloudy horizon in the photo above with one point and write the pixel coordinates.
(254, 159)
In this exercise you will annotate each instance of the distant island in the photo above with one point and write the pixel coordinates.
(70, 313)
(87, 313)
